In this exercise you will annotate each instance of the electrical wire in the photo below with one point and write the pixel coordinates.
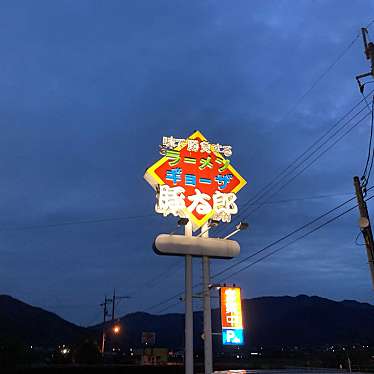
(319, 78)
(225, 270)
(68, 306)
(364, 176)
(365, 83)
(179, 294)
(295, 176)
(177, 265)
(296, 165)
(293, 241)
(94, 321)
(169, 307)
(155, 280)
(305, 198)
(308, 165)
(356, 239)
(325, 134)
(369, 24)
(169, 299)
(280, 176)
(78, 222)
(367, 177)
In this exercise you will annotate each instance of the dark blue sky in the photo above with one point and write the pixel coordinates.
(88, 89)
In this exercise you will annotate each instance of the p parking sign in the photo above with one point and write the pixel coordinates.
(232, 337)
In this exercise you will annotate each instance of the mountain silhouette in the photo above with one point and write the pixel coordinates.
(35, 326)
(269, 322)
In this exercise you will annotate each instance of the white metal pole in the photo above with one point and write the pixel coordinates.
(208, 355)
(188, 354)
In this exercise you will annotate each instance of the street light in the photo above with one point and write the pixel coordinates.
(240, 227)
(116, 329)
(212, 223)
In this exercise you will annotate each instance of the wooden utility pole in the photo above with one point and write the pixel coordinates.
(113, 305)
(104, 304)
(114, 299)
(365, 226)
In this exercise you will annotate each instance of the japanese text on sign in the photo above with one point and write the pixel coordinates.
(193, 145)
(194, 180)
(231, 316)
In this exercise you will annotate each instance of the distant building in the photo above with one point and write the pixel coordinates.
(152, 356)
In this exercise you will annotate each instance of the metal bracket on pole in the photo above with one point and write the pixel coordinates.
(369, 53)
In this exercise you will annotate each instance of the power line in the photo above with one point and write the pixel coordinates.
(295, 176)
(367, 177)
(169, 299)
(326, 133)
(319, 139)
(94, 320)
(153, 281)
(364, 176)
(305, 198)
(323, 74)
(293, 241)
(280, 176)
(321, 154)
(283, 237)
(320, 77)
(309, 164)
(356, 239)
(370, 24)
(179, 294)
(168, 307)
(286, 171)
(67, 306)
(78, 222)
(272, 252)
(177, 265)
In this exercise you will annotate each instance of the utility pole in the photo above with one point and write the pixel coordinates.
(113, 304)
(103, 338)
(114, 299)
(365, 226)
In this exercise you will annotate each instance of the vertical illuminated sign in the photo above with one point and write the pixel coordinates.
(231, 316)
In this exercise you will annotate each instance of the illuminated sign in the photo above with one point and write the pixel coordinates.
(168, 142)
(231, 316)
(194, 180)
(232, 337)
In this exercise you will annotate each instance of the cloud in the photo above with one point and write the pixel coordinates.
(88, 90)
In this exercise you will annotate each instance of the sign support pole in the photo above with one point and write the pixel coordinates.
(188, 354)
(208, 355)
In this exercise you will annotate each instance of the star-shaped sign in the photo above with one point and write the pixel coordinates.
(194, 180)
